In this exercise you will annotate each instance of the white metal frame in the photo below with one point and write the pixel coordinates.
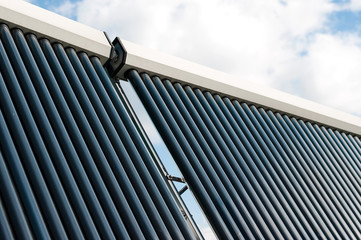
(176, 69)
(55, 27)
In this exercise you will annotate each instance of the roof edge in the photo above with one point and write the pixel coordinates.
(57, 28)
(176, 69)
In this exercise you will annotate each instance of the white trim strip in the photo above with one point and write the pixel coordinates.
(173, 68)
(55, 27)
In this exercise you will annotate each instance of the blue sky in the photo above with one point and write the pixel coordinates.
(310, 48)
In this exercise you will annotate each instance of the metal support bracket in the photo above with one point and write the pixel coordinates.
(117, 58)
(178, 179)
(185, 188)
(175, 179)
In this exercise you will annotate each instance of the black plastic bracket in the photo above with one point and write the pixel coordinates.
(117, 57)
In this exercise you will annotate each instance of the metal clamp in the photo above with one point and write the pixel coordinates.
(175, 179)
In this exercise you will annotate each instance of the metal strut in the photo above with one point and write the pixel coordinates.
(175, 179)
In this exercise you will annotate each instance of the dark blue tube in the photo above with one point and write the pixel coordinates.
(177, 152)
(195, 157)
(270, 160)
(71, 195)
(146, 159)
(16, 169)
(224, 128)
(348, 145)
(347, 157)
(5, 229)
(292, 186)
(227, 117)
(323, 188)
(301, 163)
(342, 220)
(335, 177)
(207, 159)
(297, 171)
(80, 142)
(11, 201)
(28, 157)
(351, 140)
(223, 141)
(112, 159)
(92, 130)
(195, 122)
(121, 151)
(124, 136)
(65, 143)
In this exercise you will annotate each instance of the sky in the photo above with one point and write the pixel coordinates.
(309, 48)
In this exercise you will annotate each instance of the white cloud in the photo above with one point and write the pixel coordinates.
(353, 5)
(284, 44)
(333, 72)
